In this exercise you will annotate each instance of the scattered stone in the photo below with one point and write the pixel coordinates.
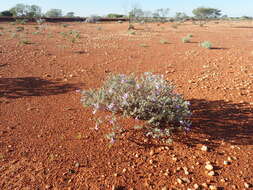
(179, 181)
(226, 162)
(247, 185)
(204, 185)
(48, 186)
(152, 152)
(77, 165)
(211, 173)
(204, 148)
(209, 167)
(186, 180)
(196, 186)
(124, 170)
(115, 174)
(164, 188)
(229, 158)
(212, 187)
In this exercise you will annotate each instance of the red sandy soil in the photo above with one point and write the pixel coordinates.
(47, 138)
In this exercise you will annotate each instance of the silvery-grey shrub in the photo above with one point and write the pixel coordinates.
(148, 97)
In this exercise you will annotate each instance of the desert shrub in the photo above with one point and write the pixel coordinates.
(1, 28)
(25, 42)
(40, 21)
(148, 97)
(131, 32)
(65, 25)
(189, 35)
(175, 26)
(92, 19)
(206, 44)
(164, 41)
(143, 45)
(20, 28)
(131, 27)
(186, 39)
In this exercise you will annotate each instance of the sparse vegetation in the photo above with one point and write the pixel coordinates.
(164, 41)
(206, 44)
(148, 97)
(186, 39)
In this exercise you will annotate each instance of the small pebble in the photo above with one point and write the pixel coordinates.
(179, 181)
(77, 165)
(164, 188)
(204, 148)
(246, 185)
(204, 185)
(151, 153)
(196, 186)
(211, 173)
(209, 167)
(226, 162)
(212, 187)
(124, 170)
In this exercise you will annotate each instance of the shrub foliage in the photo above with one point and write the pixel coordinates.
(148, 97)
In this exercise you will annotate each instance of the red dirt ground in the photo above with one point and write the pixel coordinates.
(47, 138)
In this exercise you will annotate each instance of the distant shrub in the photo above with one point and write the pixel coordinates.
(164, 41)
(92, 19)
(25, 41)
(1, 28)
(131, 27)
(206, 44)
(189, 35)
(186, 39)
(40, 21)
(143, 45)
(131, 32)
(175, 26)
(65, 25)
(148, 97)
(21, 21)
(20, 28)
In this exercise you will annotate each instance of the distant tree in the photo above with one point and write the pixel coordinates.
(70, 14)
(6, 13)
(26, 10)
(113, 15)
(54, 13)
(181, 16)
(204, 13)
(34, 11)
(161, 14)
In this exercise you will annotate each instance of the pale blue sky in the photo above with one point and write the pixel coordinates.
(102, 7)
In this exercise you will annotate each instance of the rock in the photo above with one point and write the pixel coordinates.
(164, 188)
(77, 164)
(213, 187)
(48, 186)
(209, 167)
(196, 186)
(186, 180)
(152, 152)
(247, 185)
(179, 181)
(226, 162)
(204, 148)
(204, 185)
(211, 173)
(124, 170)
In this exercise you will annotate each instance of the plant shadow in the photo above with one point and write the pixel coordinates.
(32, 86)
(212, 123)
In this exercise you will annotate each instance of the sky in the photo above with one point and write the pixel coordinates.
(103, 7)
